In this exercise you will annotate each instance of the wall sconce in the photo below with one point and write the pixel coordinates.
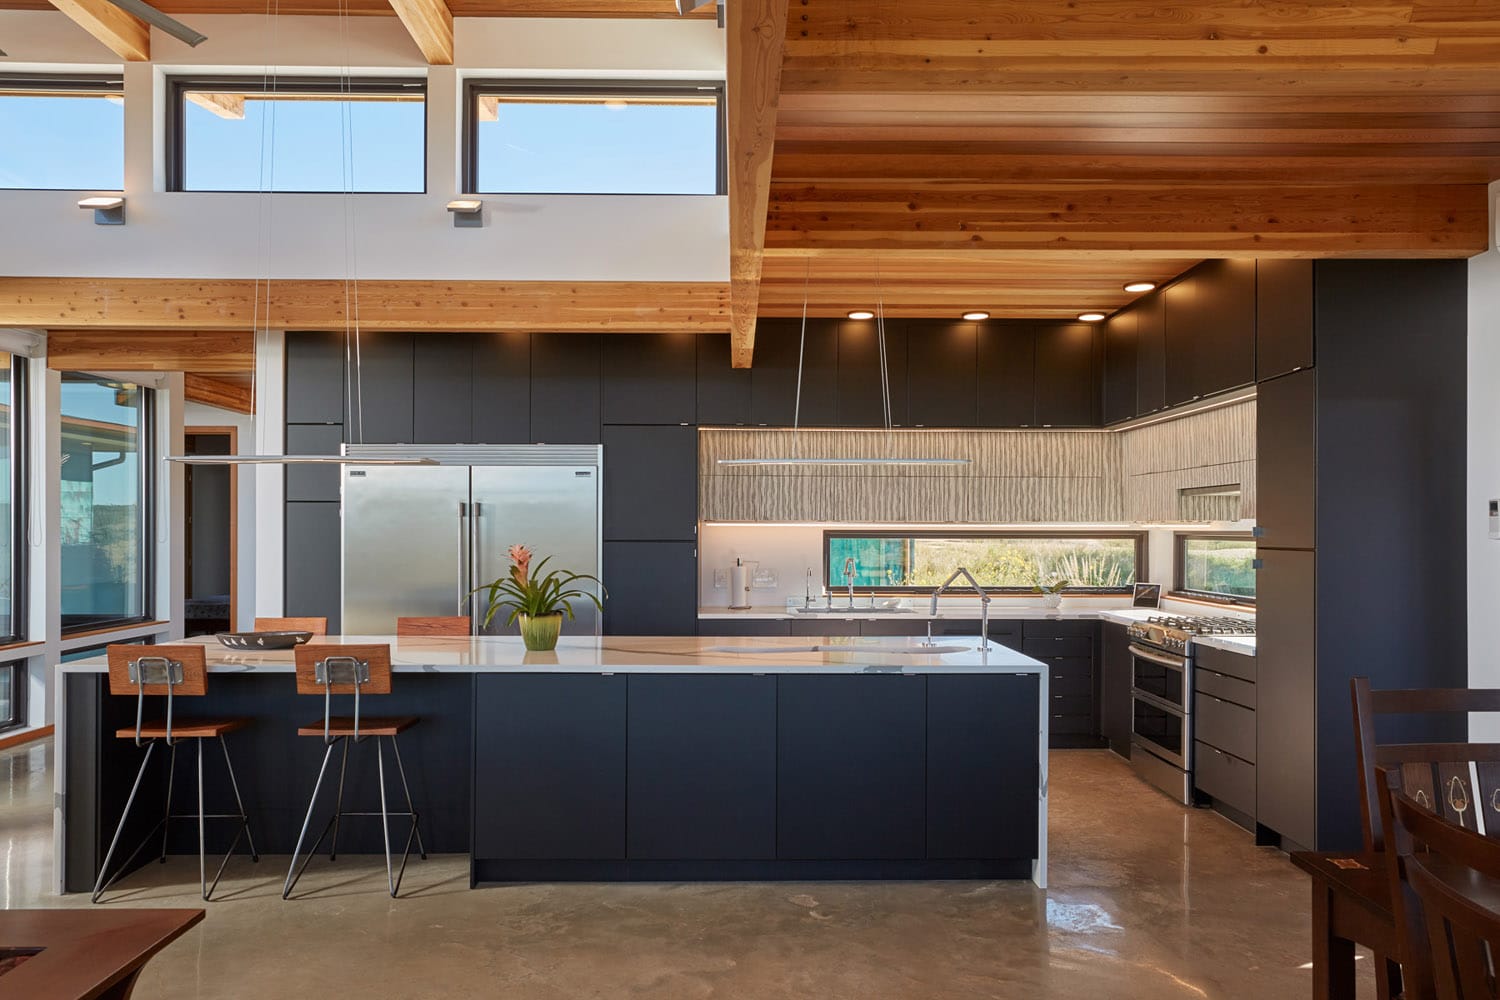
(109, 210)
(468, 213)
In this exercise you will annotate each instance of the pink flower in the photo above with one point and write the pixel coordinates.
(521, 556)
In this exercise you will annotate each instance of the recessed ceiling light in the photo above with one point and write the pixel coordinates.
(1140, 286)
(976, 316)
(1090, 317)
(861, 314)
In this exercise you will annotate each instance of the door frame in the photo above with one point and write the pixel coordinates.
(233, 434)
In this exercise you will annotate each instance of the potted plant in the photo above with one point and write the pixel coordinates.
(537, 600)
(1051, 593)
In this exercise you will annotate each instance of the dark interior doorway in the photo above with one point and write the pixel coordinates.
(211, 527)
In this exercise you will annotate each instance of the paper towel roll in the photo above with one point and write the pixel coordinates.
(739, 586)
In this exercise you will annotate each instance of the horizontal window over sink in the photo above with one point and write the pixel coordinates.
(1006, 562)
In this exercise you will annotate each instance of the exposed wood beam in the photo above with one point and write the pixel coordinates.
(213, 304)
(218, 352)
(430, 24)
(218, 392)
(755, 45)
(230, 106)
(126, 35)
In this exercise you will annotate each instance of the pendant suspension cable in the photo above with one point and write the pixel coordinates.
(801, 354)
(885, 371)
(264, 198)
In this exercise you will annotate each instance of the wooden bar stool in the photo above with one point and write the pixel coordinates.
(173, 671)
(317, 626)
(450, 625)
(356, 670)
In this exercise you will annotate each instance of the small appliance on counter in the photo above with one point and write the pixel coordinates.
(741, 579)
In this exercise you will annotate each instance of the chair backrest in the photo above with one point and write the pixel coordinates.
(1436, 775)
(352, 669)
(157, 670)
(1445, 892)
(456, 625)
(317, 626)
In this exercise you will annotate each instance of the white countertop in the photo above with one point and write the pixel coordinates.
(919, 612)
(1243, 644)
(640, 654)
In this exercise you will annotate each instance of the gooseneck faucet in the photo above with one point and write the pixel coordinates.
(984, 603)
(849, 576)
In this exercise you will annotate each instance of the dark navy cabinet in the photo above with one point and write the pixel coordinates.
(653, 588)
(650, 378)
(861, 400)
(723, 390)
(380, 400)
(650, 483)
(1007, 375)
(1283, 317)
(941, 373)
(314, 377)
(1120, 375)
(1067, 380)
(565, 387)
(773, 379)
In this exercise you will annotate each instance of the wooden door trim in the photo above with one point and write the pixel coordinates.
(234, 514)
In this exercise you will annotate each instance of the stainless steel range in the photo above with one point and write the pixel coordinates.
(1161, 651)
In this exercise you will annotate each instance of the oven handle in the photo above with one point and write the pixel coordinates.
(1175, 662)
(1161, 703)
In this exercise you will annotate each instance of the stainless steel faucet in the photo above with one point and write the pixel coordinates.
(984, 604)
(807, 590)
(849, 576)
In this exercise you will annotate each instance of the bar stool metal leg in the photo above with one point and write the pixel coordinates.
(385, 819)
(166, 820)
(401, 769)
(100, 884)
(239, 802)
(338, 806)
(293, 872)
(202, 832)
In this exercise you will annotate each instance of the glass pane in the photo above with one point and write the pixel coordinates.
(239, 141)
(103, 527)
(995, 562)
(1219, 566)
(66, 141)
(8, 706)
(7, 510)
(597, 144)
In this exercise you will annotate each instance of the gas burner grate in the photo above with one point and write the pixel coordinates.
(1206, 624)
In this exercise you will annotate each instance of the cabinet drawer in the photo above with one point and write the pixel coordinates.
(1040, 628)
(1222, 661)
(1072, 704)
(1072, 666)
(1225, 725)
(1211, 682)
(1058, 645)
(1070, 725)
(1071, 682)
(1230, 780)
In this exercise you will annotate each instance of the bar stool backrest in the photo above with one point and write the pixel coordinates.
(317, 626)
(451, 625)
(354, 669)
(156, 670)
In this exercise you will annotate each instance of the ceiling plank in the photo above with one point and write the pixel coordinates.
(217, 352)
(656, 9)
(126, 35)
(430, 24)
(218, 392)
(227, 106)
(422, 306)
(756, 40)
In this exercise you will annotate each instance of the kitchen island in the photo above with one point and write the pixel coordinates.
(632, 758)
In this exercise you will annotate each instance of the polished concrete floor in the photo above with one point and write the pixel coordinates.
(1147, 900)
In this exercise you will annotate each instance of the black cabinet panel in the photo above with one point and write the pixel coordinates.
(313, 560)
(1210, 330)
(1150, 354)
(852, 766)
(1007, 375)
(1283, 317)
(550, 766)
(1225, 725)
(773, 379)
(825, 626)
(702, 767)
(380, 411)
(860, 398)
(1116, 677)
(1067, 382)
(443, 389)
(650, 378)
(1286, 694)
(1229, 780)
(502, 389)
(653, 588)
(942, 387)
(565, 376)
(981, 782)
(1120, 366)
(313, 482)
(1286, 435)
(314, 377)
(737, 626)
(650, 483)
(723, 390)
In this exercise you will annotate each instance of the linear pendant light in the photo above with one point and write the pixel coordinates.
(885, 397)
(292, 460)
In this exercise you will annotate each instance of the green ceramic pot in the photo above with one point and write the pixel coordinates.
(542, 631)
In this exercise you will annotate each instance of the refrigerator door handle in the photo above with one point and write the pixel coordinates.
(476, 540)
(463, 549)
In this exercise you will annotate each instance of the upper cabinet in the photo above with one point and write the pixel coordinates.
(565, 377)
(1210, 330)
(723, 390)
(861, 398)
(650, 378)
(1007, 375)
(942, 388)
(1067, 376)
(1120, 365)
(1283, 317)
(773, 379)
(1150, 354)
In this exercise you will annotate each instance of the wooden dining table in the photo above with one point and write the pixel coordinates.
(94, 954)
(1351, 904)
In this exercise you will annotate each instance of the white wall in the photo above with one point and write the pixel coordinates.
(1484, 472)
(406, 236)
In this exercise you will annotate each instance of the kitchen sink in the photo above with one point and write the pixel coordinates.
(877, 648)
(846, 612)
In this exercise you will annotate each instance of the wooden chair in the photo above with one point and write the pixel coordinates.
(452, 625)
(174, 672)
(317, 626)
(360, 671)
(1446, 878)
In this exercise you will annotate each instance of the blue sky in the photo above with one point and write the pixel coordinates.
(78, 143)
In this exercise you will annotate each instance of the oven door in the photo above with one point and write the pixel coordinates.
(1161, 698)
(1161, 675)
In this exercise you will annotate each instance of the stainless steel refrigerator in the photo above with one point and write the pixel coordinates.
(418, 539)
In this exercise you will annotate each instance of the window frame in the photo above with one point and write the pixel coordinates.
(175, 126)
(517, 87)
(1140, 538)
(149, 483)
(20, 678)
(1179, 550)
(11, 83)
(20, 505)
